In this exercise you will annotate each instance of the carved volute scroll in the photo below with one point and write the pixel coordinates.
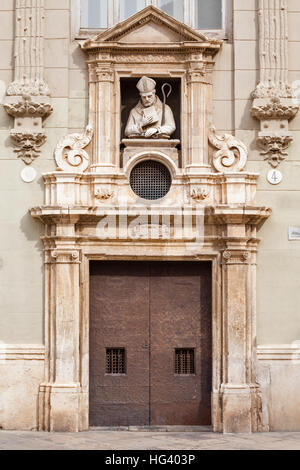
(27, 98)
(69, 153)
(231, 154)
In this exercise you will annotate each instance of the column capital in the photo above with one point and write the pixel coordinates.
(105, 72)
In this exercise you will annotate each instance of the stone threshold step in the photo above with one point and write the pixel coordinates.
(153, 428)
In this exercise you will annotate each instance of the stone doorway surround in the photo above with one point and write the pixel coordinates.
(90, 188)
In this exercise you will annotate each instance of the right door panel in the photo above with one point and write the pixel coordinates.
(180, 343)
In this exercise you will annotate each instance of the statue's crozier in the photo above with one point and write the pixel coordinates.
(150, 118)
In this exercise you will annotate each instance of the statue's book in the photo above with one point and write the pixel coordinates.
(151, 111)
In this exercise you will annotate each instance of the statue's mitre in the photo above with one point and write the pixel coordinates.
(146, 85)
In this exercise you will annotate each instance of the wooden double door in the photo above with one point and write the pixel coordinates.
(150, 343)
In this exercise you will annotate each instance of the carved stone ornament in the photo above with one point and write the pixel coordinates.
(274, 146)
(65, 256)
(103, 194)
(231, 155)
(28, 133)
(28, 142)
(236, 257)
(69, 154)
(29, 87)
(275, 102)
(27, 98)
(271, 90)
(28, 107)
(199, 193)
(146, 231)
(275, 108)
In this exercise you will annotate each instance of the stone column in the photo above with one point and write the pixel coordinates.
(102, 114)
(60, 396)
(199, 90)
(28, 95)
(240, 394)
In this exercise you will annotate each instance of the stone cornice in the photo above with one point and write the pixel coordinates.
(219, 215)
(140, 48)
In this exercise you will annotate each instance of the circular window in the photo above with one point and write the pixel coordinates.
(150, 180)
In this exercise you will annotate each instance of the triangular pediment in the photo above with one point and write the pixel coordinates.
(149, 25)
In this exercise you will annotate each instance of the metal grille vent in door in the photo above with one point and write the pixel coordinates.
(184, 361)
(150, 180)
(115, 361)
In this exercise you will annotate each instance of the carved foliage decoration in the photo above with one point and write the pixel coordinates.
(231, 154)
(28, 133)
(103, 193)
(69, 154)
(275, 108)
(199, 193)
(28, 107)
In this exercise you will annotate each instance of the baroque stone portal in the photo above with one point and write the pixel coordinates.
(91, 189)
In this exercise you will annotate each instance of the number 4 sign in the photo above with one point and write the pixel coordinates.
(274, 177)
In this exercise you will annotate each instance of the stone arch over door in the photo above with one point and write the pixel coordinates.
(210, 187)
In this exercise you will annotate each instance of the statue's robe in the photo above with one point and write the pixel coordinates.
(137, 114)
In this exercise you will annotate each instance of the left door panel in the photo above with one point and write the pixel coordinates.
(119, 303)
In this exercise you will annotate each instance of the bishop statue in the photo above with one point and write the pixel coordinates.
(150, 118)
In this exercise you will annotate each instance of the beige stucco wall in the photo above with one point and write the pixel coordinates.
(235, 77)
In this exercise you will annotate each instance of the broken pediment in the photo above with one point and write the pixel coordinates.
(149, 26)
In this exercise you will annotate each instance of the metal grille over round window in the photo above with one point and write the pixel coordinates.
(184, 361)
(115, 361)
(150, 180)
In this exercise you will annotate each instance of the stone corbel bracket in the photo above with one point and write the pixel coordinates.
(28, 134)
(274, 114)
(230, 155)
